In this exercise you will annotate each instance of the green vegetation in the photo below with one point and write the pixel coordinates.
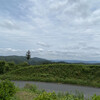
(96, 97)
(61, 73)
(30, 92)
(53, 96)
(30, 95)
(7, 90)
(7, 66)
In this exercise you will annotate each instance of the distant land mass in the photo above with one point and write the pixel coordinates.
(22, 59)
(38, 61)
(77, 61)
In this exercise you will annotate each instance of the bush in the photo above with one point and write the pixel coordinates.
(53, 96)
(47, 96)
(2, 67)
(71, 97)
(7, 90)
(31, 87)
(25, 64)
(95, 97)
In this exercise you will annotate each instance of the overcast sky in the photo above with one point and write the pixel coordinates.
(51, 29)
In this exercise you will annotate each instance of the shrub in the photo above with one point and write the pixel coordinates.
(95, 97)
(2, 67)
(47, 96)
(53, 96)
(25, 64)
(71, 97)
(7, 90)
(31, 87)
(12, 66)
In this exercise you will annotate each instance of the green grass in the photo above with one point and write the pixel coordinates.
(88, 75)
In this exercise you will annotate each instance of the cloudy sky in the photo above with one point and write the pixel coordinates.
(51, 29)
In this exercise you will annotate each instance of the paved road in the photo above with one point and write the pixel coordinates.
(49, 87)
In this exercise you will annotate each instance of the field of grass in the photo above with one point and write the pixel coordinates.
(88, 75)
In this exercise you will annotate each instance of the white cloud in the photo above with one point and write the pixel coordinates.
(64, 29)
(43, 44)
(9, 49)
(40, 50)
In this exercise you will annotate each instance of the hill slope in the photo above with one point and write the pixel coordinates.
(63, 73)
(21, 59)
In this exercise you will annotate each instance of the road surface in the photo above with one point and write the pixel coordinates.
(49, 87)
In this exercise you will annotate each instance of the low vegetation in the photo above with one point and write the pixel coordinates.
(7, 90)
(30, 92)
(61, 73)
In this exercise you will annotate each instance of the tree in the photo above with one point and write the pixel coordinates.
(28, 55)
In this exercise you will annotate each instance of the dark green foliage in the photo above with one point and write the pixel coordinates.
(11, 64)
(25, 64)
(2, 67)
(28, 55)
(7, 66)
(63, 73)
(7, 90)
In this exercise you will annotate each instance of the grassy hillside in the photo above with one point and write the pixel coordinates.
(21, 59)
(62, 73)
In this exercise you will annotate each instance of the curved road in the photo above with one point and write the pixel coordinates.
(49, 87)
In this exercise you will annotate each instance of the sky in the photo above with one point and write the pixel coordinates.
(51, 29)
